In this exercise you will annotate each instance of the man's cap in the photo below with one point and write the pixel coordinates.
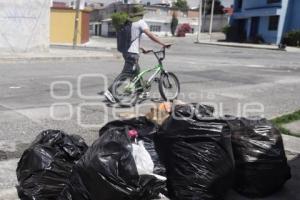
(137, 13)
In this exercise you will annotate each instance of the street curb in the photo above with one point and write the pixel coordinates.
(241, 46)
(291, 143)
(89, 48)
(55, 58)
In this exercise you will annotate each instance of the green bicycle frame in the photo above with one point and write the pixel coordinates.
(157, 69)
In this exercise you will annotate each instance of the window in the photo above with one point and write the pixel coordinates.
(155, 28)
(273, 1)
(273, 23)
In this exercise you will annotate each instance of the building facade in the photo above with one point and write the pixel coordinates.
(151, 2)
(266, 19)
(24, 26)
(159, 20)
(158, 17)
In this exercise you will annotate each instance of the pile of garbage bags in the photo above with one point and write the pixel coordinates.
(191, 155)
(44, 169)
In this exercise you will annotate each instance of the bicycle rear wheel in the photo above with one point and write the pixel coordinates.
(169, 86)
(124, 91)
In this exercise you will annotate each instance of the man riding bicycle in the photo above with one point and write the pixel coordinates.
(131, 55)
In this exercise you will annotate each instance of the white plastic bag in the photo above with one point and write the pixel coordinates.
(142, 159)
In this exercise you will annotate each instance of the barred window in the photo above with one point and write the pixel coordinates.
(273, 23)
(155, 28)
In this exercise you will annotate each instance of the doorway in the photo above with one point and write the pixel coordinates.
(254, 27)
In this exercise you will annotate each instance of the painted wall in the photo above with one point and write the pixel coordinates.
(253, 3)
(248, 4)
(294, 16)
(63, 25)
(24, 25)
(85, 27)
(104, 29)
(269, 36)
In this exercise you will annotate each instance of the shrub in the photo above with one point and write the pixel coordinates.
(292, 38)
(183, 29)
(118, 19)
(233, 34)
(226, 29)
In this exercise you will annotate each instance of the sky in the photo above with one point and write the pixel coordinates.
(192, 3)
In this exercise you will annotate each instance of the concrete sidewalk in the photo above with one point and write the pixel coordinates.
(240, 45)
(96, 43)
(293, 127)
(249, 45)
(57, 54)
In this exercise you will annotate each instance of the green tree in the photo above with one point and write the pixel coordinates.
(182, 5)
(219, 8)
(174, 23)
(118, 19)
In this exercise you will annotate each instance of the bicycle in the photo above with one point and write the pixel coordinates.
(127, 89)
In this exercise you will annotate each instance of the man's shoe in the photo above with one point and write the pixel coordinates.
(109, 96)
(144, 95)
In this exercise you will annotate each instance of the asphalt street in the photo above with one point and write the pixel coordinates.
(64, 95)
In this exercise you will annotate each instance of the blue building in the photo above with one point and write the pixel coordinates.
(268, 19)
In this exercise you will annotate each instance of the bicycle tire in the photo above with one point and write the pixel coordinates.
(161, 85)
(134, 96)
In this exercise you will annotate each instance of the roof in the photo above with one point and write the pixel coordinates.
(106, 20)
(59, 5)
(228, 10)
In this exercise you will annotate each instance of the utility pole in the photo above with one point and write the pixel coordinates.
(76, 24)
(204, 13)
(199, 21)
(205, 6)
(211, 19)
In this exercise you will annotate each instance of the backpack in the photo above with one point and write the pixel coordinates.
(124, 40)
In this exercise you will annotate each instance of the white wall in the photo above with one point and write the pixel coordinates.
(220, 21)
(156, 1)
(104, 29)
(24, 25)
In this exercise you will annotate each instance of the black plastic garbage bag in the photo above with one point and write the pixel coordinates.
(108, 170)
(147, 131)
(44, 169)
(261, 163)
(196, 150)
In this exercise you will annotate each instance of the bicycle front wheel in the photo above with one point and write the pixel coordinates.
(124, 91)
(169, 86)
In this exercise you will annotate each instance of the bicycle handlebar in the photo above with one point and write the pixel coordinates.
(160, 55)
(152, 51)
